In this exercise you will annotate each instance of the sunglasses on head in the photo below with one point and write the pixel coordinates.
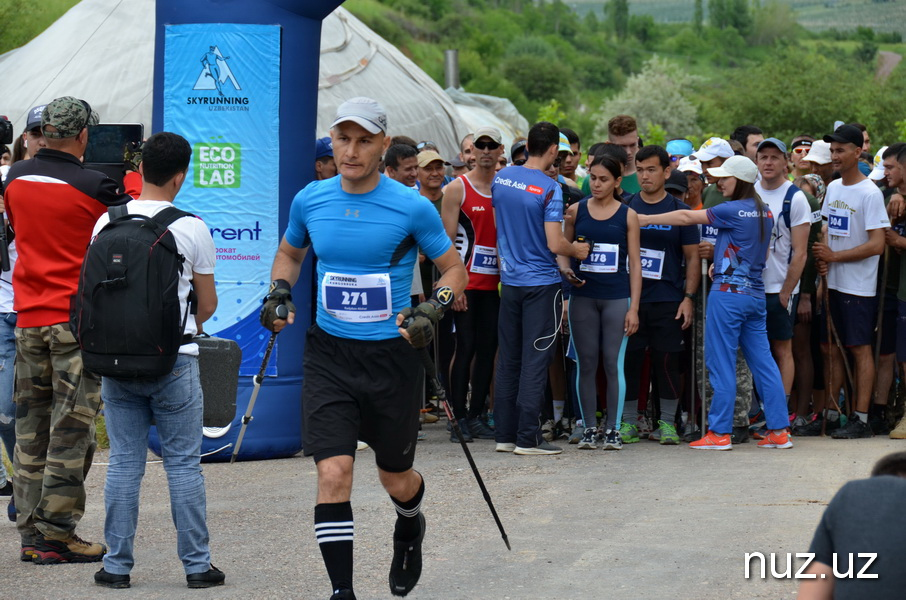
(422, 145)
(483, 145)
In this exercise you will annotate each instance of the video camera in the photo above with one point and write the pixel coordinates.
(111, 145)
(6, 130)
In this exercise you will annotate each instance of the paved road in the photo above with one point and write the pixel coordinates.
(647, 522)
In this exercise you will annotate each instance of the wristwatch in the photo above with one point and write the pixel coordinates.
(691, 296)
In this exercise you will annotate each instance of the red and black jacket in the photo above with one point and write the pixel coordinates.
(53, 203)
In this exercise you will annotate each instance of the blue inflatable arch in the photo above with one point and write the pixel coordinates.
(239, 80)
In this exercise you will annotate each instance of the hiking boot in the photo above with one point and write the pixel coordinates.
(899, 432)
(117, 582)
(27, 553)
(479, 430)
(691, 432)
(210, 578)
(629, 433)
(576, 436)
(543, 448)
(613, 440)
(668, 436)
(713, 441)
(406, 566)
(547, 430)
(879, 425)
(588, 439)
(70, 550)
(343, 595)
(643, 426)
(505, 447)
(855, 429)
(463, 428)
(776, 439)
(739, 435)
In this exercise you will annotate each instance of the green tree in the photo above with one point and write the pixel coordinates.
(617, 12)
(773, 22)
(656, 97)
(698, 17)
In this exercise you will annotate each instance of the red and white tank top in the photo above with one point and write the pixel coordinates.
(476, 238)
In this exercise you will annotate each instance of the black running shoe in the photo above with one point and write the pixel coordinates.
(210, 578)
(110, 580)
(813, 429)
(739, 435)
(463, 428)
(406, 567)
(853, 430)
(343, 595)
(479, 430)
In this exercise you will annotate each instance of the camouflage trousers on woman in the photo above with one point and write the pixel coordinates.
(56, 404)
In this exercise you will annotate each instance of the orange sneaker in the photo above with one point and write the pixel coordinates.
(713, 441)
(779, 438)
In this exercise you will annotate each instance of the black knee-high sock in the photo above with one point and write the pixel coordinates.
(407, 525)
(334, 531)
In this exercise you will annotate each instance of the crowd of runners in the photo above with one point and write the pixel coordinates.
(626, 359)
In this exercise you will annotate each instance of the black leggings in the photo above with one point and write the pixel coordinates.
(665, 368)
(476, 338)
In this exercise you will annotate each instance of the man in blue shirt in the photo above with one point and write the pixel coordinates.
(528, 208)
(362, 379)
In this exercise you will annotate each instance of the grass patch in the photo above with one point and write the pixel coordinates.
(22, 20)
(101, 432)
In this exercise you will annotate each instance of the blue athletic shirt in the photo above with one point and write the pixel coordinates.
(739, 253)
(367, 247)
(604, 271)
(661, 246)
(524, 200)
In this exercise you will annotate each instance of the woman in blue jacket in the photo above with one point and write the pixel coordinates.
(736, 305)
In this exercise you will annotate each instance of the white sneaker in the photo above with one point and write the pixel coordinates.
(547, 430)
(505, 447)
(543, 448)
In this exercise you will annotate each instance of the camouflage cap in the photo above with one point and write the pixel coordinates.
(68, 116)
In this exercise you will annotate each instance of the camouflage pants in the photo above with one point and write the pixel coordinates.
(56, 404)
(744, 385)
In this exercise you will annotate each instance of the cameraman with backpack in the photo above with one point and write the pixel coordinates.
(174, 399)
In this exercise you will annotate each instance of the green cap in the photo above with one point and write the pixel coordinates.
(68, 116)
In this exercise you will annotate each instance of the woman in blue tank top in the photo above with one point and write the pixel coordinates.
(736, 305)
(603, 306)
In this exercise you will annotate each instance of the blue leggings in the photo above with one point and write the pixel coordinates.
(738, 320)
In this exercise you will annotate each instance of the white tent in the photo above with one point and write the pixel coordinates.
(102, 51)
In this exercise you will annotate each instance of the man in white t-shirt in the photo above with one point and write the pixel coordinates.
(174, 400)
(854, 237)
(787, 253)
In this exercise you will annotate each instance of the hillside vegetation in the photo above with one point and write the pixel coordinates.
(744, 63)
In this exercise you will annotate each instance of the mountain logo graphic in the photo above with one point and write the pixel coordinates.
(215, 72)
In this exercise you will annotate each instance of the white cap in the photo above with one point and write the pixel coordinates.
(740, 167)
(713, 148)
(877, 173)
(687, 164)
(365, 111)
(488, 132)
(819, 152)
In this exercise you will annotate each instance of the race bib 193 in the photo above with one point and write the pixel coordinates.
(652, 263)
(357, 298)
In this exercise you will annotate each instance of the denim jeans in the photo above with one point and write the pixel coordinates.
(7, 374)
(175, 403)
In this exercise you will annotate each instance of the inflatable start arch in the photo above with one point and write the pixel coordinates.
(239, 80)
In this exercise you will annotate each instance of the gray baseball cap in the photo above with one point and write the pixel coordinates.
(69, 116)
(367, 112)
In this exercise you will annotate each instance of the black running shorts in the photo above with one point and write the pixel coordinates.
(659, 329)
(368, 390)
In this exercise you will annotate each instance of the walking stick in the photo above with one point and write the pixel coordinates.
(828, 372)
(703, 382)
(884, 271)
(282, 313)
(431, 373)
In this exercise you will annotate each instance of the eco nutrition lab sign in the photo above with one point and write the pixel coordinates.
(222, 93)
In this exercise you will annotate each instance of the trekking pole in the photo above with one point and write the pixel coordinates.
(846, 367)
(282, 312)
(880, 321)
(703, 383)
(828, 371)
(431, 373)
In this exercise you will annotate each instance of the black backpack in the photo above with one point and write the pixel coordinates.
(126, 313)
